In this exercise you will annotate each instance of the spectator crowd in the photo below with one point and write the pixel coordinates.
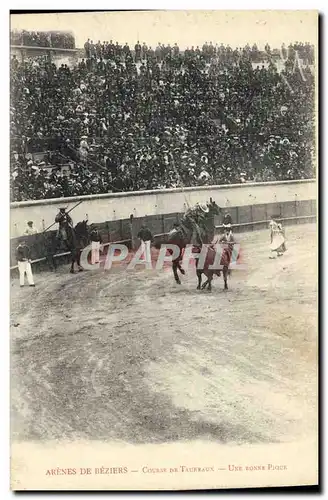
(53, 39)
(137, 118)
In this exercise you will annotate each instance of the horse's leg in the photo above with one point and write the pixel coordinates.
(179, 259)
(177, 265)
(225, 277)
(174, 268)
(204, 285)
(78, 260)
(199, 276)
(51, 261)
(182, 271)
(73, 259)
(206, 282)
(210, 282)
(72, 265)
(52, 250)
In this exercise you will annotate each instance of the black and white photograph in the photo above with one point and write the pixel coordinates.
(163, 249)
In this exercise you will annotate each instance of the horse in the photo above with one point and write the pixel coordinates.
(75, 239)
(181, 235)
(209, 273)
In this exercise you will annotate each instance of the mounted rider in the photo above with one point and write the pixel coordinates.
(193, 219)
(65, 224)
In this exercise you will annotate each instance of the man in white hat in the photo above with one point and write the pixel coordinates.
(30, 229)
(24, 264)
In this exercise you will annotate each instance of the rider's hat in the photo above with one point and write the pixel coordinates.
(203, 207)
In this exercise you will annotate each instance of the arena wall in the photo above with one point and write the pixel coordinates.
(247, 198)
(57, 55)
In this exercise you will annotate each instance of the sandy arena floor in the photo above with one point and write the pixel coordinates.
(132, 356)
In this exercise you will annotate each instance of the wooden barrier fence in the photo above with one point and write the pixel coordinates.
(125, 231)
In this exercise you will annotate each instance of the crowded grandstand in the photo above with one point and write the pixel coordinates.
(138, 118)
(54, 39)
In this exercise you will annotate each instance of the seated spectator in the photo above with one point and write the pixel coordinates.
(203, 116)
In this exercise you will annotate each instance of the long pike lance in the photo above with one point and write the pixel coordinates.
(79, 203)
(179, 176)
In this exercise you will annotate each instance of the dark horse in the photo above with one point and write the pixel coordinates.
(182, 235)
(74, 240)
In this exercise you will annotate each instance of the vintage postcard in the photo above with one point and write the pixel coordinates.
(163, 330)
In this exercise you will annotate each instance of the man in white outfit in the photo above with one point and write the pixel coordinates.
(145, 237)
(24, 264)
(278, 243)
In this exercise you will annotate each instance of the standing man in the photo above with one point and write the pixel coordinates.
(228, 237)
(87, 48)
(144, 50)
(30, 229)
(126, 50)
(227, 220)
(175, 50)
(227, 241)
(158, 53)
(137, 50)
(24, 264)
(145, 237)
(95, 245)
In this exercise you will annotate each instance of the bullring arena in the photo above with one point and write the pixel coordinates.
(127, 133)
(132, 356)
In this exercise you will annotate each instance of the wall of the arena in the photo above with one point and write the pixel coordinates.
(117, 206)
(294, 202)
(57, 55)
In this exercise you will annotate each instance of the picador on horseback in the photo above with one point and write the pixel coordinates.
(197, 227)
(74, 239)
(193, 219)
(65, 225)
